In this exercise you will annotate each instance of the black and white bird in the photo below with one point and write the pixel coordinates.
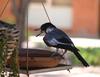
(55, 37)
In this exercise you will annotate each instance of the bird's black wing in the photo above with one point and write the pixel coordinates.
(62, 36)
(56, 37)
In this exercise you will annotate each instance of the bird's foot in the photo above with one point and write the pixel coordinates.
(62, 57)
(53, 54)
(68, 70)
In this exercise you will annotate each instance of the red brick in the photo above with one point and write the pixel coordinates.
(85, 18)
(7, 14)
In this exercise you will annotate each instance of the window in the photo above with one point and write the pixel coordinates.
(61, 2)
(59, 11)
(38, 1)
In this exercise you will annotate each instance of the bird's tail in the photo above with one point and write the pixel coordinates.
(77, 54)
(75, 51)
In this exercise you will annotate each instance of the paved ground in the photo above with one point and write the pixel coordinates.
(75, 72)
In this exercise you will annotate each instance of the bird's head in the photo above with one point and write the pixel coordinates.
(46, 27)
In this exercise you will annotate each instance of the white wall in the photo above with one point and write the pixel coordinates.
(60, 16)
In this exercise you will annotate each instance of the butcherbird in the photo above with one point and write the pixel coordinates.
(55, 37)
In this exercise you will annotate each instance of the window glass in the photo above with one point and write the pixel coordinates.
(38, 1)
(61, 2)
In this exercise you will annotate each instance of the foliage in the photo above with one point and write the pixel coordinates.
(3, 40)
(91, 55)
(8, 49)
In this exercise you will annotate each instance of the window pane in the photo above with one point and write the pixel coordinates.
(38, 1)
(61, 2)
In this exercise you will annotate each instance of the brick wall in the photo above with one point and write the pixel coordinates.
(8, 14)
(85, 18)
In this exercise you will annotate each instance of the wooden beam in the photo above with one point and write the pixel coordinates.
(20, 13)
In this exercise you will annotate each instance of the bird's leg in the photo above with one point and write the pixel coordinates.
(64, 52)
(55, 52)
(61, 55)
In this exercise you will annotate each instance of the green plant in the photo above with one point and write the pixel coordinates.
(8, 49)
(3, 40)
(91, 55)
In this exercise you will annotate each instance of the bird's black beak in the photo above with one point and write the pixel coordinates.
(38, 30)
(39, 34)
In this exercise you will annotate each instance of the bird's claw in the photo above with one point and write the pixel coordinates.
(68, 70)
(54, 54)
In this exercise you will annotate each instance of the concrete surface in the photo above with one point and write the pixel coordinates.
(74, 72)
